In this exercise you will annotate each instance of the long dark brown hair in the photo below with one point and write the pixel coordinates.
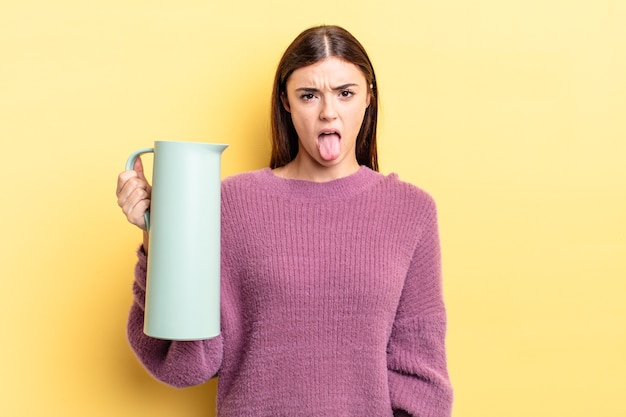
(311, 46)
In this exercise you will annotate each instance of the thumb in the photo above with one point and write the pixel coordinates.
(138, 168)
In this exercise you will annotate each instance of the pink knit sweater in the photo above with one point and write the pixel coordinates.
(331, 302)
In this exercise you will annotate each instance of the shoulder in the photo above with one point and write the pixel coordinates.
(406, 193)
(244, 180)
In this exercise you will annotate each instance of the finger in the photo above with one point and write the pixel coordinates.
(123, 179)
(137, 212)
(135, 206)
(133, 189)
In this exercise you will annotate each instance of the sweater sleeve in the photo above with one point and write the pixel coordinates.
(416, 356)
(176, 363)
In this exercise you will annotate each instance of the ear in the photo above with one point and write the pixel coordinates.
(285, 101)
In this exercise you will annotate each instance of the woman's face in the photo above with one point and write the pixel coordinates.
(327, 101)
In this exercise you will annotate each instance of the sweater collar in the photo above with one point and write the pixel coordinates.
(342, 188)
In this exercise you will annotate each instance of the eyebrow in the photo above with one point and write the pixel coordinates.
(338, 88)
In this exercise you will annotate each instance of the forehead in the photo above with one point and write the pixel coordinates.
(330, 72)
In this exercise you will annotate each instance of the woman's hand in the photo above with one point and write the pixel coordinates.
(133, 194)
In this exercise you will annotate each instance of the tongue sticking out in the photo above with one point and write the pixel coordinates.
(328, 146)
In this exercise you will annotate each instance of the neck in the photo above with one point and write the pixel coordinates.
(302, 169)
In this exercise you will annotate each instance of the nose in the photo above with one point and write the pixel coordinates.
(328, 110)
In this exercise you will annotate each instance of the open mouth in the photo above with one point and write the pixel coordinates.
(329, 144)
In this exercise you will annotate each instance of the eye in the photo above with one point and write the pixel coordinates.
(307, 96)
(346, 93)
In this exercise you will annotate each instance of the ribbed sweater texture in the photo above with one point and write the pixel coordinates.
(331, 300)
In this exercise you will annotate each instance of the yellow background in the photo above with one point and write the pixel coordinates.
(512, 114)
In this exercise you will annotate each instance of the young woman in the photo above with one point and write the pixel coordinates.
(331, 277)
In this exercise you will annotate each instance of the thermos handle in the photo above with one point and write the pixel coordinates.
(130, 164)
